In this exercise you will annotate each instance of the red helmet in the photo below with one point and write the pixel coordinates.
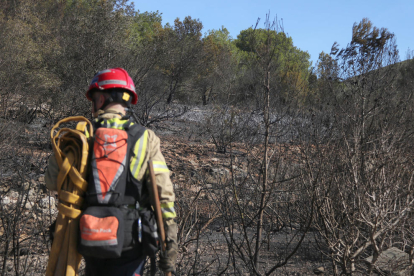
(113, 78)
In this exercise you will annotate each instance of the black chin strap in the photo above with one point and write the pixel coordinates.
(115, 96)
(95, 107)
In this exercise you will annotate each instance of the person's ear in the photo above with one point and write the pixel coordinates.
(101, 100)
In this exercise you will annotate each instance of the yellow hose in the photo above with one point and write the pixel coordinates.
(71, 150)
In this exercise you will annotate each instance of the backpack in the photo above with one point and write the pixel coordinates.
(117, 216)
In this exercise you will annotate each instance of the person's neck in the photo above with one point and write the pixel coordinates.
(116, 108)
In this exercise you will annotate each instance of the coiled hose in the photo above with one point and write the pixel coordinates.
(71, 149)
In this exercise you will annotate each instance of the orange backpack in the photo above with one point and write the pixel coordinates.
(113, 220)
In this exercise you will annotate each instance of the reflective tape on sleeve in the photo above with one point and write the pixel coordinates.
(139, 150)
(168, 210)
(160, 166)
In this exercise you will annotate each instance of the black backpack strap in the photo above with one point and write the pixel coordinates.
(99, 122)
(135, 131)
(96, 124)
(134, 188)
(153, 266)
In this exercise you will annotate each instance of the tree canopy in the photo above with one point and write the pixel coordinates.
(64, 43)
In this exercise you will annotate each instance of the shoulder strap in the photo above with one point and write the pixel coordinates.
(134, 188)
(135, 131)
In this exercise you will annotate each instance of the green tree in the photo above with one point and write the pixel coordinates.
(145, 26)
(27, 43)
(327, 71)
(217, 75)
(181, 54)
(293, 64)
(146, 43)
(92, 35)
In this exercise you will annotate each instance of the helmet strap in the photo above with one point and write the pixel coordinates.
(107, 102)
(95, 105)
(119, 96)
(115, 96)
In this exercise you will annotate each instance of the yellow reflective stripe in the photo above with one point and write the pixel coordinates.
(169, 215)
(160, 166)
(139, 151)
(167, 205)
(116, 127)
(168, 210)
(116, 123)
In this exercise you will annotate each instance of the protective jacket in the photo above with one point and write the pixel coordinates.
(146, 148)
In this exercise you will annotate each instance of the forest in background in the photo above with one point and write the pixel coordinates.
(321, 152)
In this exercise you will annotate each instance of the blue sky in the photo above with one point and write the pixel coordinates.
(313, 25)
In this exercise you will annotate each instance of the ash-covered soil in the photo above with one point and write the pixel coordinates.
(197, 171)
(196, 168)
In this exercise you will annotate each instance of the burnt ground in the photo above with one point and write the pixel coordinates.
(196, 168)
(191, 156)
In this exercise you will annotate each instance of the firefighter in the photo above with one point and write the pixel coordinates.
(111, 92)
